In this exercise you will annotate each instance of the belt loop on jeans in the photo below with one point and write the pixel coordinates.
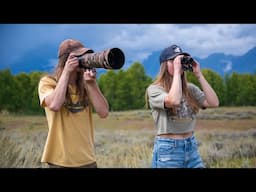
(175, 142)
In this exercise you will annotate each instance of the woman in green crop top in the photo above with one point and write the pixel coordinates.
(174, 104)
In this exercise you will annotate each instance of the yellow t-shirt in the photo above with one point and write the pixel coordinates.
(70, 140)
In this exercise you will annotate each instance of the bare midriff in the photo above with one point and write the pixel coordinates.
(176, 136)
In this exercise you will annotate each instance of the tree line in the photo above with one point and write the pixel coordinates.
(124, 89)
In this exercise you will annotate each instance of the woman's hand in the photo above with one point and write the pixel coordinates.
(71, 63)
(177, 67)
(90, 75)
(196, 68)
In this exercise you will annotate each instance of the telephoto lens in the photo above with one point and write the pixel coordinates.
(109, 59)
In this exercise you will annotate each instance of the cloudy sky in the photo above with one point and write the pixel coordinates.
(137, 41)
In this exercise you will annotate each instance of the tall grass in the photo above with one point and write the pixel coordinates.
(125, 139)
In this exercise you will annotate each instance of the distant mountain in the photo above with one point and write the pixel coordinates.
(44, 58)
(218, 62)
(38, 59)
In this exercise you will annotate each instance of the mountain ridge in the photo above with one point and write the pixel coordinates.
(218, 62)
(44, 59)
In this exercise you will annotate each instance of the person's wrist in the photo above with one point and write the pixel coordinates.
(199, 75)
(90, 82)
(176, 72)
(66, 72)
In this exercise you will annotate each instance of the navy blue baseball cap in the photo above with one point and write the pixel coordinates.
(170, 53)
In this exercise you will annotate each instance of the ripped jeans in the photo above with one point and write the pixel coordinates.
(176, 153)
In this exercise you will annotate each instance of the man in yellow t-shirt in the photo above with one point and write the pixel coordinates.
(68, 97)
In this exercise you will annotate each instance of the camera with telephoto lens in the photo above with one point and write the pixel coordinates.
(187, 63)
(109, 59)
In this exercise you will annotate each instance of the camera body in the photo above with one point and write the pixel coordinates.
(109, 59)
(187, 63)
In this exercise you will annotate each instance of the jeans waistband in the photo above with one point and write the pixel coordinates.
(180, 140)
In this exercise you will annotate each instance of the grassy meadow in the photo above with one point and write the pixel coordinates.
(226, 135)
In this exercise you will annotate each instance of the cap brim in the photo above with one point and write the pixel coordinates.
(175, 55)
(82, 51)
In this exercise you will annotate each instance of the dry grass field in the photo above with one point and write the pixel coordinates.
(226, 138)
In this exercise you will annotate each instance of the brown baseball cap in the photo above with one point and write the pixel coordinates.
(71, 45)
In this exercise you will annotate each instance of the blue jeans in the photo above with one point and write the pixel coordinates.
(176, 153)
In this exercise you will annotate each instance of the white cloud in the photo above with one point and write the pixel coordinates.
(138, 41)
(228, 66)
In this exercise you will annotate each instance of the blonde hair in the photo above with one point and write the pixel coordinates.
(164, 79)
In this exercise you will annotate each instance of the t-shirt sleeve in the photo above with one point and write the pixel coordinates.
(197, 93)
(46, 87)
(156, 95)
